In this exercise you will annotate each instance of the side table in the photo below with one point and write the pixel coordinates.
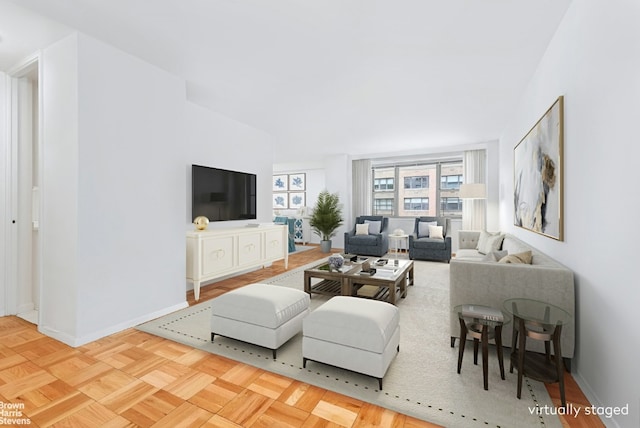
(397, 240)
(482, 329)
(539, 321)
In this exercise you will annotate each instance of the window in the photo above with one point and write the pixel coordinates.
(416, 204)
(450, 181)
(416, 182)
(451, 205)
(417, 195)
(383, 206)
(383, 184)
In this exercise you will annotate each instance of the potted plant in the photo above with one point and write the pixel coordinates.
(326, 218)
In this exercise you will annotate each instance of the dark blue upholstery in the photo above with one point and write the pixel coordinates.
(290, 223)
(430, 248)
(374, 244)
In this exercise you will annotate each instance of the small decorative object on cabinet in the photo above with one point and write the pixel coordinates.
(201, 222)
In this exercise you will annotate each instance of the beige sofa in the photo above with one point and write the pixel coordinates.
(475, 281)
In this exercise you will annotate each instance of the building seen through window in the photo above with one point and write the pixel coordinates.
(413, 197)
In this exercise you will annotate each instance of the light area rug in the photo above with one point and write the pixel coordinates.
(422, 381)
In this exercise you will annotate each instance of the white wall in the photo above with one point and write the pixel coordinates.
(594, 61)
(213, 140)
(60, 181)
(113, 187)
(4, 191)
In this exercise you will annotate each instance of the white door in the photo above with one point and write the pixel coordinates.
(23, 284)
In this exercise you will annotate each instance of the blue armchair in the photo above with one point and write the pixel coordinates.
(422, 246)
(290, 224)
(373, 243)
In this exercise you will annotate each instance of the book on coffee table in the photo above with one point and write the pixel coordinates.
(482, 312)
(368, 290)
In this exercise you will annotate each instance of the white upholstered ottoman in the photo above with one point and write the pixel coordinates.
(352, 333)
(261, 314)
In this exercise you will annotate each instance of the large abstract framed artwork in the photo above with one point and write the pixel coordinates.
(538, 170)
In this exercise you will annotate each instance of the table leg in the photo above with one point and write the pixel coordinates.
(410, 273)
(403, 287)
(557, 355)
(475, 351)
(463, 341)
(498, 339)
(485, 356)
(392, 293)
(307, 283)
(346, 287)
(521, 351)
(514, 340)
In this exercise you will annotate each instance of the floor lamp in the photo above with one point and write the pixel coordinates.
(476, 212)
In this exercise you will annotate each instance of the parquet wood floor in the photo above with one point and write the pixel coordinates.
(136, 379)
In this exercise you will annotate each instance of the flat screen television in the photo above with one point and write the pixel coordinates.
(221, 194)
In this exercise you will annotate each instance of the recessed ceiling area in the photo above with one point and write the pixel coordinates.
(336, 76)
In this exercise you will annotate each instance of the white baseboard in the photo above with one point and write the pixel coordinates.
(79, 341)
(592, 397)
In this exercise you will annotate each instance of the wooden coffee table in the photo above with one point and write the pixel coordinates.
(334, 282)
(391, 279)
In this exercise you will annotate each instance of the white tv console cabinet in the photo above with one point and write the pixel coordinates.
(217, 253)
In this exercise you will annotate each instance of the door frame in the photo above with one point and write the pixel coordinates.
(9, 283)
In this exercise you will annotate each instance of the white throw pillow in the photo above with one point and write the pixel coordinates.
(435, 232)
(362, 229)
(423, 228)
(489, 242)
(374, 226)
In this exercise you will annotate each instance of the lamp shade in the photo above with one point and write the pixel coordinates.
(472, 191)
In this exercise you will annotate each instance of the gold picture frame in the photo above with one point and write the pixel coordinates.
(538, 175)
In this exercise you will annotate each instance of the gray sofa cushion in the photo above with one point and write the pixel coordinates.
(374, 226)
(435, 243)
(363, 240)
(423, 228)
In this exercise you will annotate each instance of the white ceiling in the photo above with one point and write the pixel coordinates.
(342, 76)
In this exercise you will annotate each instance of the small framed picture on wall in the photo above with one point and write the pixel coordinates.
(296, 200)
(297, 182)
(280, 183)
(280, 201)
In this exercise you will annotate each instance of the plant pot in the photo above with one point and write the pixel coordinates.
(325, 246)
